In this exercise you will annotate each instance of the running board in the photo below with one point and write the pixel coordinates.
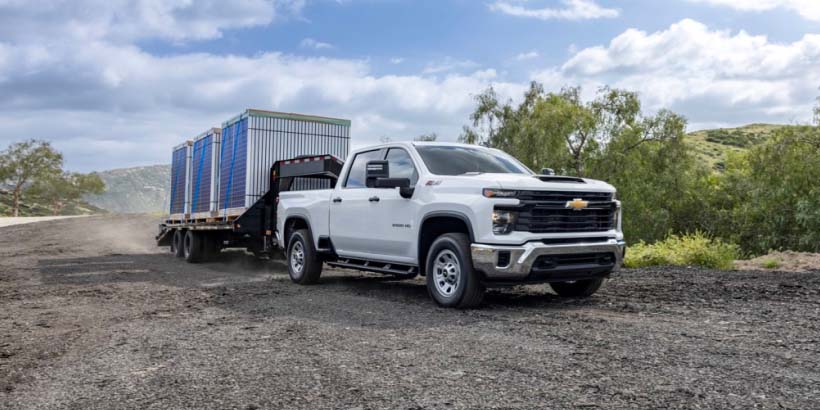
(388, 268)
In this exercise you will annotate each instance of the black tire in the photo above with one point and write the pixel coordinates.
(304, 267)
(213, 247)
(453, 284)
(194, 247)
(210, 246)
(176, 243)
(578, 288)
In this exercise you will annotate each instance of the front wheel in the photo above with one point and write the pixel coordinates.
(304, 267)
(578, 288)
(451, 279)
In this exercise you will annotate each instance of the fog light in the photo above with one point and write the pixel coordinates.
(503, 221)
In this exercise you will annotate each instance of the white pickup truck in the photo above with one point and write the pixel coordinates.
(464, 216)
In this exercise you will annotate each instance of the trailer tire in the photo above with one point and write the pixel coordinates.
(194, 247)
(212, 247)
(304, 266)
(177, 243)
(578, 288)
(451, 279)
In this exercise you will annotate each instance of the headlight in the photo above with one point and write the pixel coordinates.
(499, 193)
(503, 221)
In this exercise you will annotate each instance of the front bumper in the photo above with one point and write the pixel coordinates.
(522, 260)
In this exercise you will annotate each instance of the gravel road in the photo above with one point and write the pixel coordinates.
(93, 316)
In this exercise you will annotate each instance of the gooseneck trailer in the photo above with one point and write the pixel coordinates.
(223, 181)
(198, 240)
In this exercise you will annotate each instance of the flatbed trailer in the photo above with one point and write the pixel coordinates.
(200, 239)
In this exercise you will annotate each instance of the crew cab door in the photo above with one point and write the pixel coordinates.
(352, 212)
(396, 218)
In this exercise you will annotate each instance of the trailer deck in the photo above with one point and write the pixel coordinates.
(253, 228)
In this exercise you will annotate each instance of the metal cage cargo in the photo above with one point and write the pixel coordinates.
(204, 173)
(180, 181)
(255, 139)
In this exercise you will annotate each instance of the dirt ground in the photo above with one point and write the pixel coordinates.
(783, 261)
(93, 316)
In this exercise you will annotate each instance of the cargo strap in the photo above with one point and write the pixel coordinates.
(238, 125)
(202, 149)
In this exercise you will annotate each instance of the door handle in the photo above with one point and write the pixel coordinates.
(337, 200)
(374, 199)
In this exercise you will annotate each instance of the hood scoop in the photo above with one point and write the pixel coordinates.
(558, 178)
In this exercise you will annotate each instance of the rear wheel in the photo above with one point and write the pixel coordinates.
(304, 267)
(212, 246)
(578, 288)
(451, 279)
(177, 243)
(194, 247)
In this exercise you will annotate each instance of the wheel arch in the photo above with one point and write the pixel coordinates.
(292, 223)
(435, 224)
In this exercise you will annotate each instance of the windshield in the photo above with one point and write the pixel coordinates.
(458, 160)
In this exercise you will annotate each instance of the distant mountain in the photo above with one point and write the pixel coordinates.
(134, 190)
(712, 146)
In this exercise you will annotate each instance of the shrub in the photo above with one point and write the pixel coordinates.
(694, 249)
(771, 264)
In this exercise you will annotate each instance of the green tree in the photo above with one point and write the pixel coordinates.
(817, 112)
(769, 196)
(607, 138)
(26, 161)
(59, 189)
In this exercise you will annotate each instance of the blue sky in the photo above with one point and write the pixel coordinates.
(116, 83)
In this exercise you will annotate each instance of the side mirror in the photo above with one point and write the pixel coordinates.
(403, 184)
(392, 183)
(547, 171)
(374, 170)
(377, 175)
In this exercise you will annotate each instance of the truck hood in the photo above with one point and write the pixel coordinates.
(544, 183)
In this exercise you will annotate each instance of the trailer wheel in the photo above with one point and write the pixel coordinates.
(177, 243)
(212, 246)
(193, 247)
(304, 267)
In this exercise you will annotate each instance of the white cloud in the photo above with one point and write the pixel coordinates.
(573, 10)
(449, 64)
(108, 103)
(527, 56)
(123, 21)
(396, 60)
(315, 44)
(808, 9)
(712, 76)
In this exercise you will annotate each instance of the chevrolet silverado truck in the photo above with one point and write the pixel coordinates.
(466, 217)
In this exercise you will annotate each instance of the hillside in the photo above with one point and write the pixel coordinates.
(28, 208)
(134, 190)
(712, 146)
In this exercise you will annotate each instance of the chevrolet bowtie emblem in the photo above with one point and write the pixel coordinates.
(577, 204)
